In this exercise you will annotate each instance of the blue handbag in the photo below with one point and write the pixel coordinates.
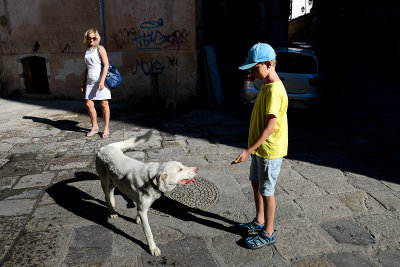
(113, 78)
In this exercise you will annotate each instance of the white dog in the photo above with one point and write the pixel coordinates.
(141, 182)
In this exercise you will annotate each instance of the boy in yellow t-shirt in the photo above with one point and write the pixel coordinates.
(267, 143)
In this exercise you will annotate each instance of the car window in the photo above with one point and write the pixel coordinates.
(295, 63)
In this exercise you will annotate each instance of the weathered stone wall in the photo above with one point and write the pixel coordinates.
(153, 44)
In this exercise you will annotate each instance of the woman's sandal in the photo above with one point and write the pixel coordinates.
(93, 131)
(105, 135)
(260, 240)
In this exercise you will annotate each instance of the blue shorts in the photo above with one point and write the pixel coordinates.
(264, 172)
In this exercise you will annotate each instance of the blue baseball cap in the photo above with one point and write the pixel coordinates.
(260, 52)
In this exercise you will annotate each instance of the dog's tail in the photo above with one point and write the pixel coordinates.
(125, 145)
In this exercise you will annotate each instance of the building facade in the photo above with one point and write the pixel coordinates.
(152, 43)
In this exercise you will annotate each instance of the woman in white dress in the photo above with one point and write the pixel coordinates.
(94, 86)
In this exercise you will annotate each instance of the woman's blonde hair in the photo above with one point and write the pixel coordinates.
(85, 36)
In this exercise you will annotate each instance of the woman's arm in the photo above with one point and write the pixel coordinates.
(83, 88)
(104, 60)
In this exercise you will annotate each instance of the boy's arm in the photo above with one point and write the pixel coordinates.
(268, 130)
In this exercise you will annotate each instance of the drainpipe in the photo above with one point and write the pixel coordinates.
(103, 35)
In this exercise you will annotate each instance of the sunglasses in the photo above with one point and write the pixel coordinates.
(91, 38)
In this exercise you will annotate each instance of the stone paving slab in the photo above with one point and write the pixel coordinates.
(366, 183)
(389, 257)
(349, 232)
(14, 168)
(384, 227)
(16, 207)
(91, 244)
(361, 203)
(40, 249)
(10, 228)
(35, 180)
(320, 208)
(300, 187)
(301, 240)
(334, 185)
(387, 199)
(7, 182)
(185, 252)
(350, 259)
(29, 193)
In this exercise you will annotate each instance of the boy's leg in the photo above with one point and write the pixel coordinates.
(258, 200)
(269, 211)
(270, 175)
(254, 179)
(256, 225)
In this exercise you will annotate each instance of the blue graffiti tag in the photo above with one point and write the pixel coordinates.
(152, 24)
(150, 38)
(152, 67)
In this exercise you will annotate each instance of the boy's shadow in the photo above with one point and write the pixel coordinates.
(64, 125)
(81, 204)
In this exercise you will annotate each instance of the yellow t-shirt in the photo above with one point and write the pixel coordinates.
(272, 99)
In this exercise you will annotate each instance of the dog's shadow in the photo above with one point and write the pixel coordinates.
(171, 207)
(64, 125)
(83, 205)
(183, 212)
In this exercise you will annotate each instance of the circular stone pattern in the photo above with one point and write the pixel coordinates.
(200, 195)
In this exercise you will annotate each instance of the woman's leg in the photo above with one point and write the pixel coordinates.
(92, 114)
(106, 115)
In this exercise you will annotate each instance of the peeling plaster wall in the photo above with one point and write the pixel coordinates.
(148, 41)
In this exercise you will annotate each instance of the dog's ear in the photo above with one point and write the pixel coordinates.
(159, 179)
(163, 176)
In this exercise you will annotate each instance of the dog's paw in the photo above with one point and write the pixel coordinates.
(114, 216)
(138, 220)
(155, 251)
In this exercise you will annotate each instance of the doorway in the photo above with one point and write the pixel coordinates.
(35, 75)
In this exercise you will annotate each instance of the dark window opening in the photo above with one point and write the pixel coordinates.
(35, 75)
(295, 63)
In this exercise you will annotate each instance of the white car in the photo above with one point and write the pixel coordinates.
(298, 70)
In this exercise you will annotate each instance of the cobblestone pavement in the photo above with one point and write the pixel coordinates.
(338, 194)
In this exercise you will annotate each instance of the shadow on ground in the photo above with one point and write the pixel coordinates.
(84, 205)
(80, 203)
(63, 125)
(349, 142)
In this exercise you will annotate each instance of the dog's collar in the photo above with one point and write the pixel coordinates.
(155, 186)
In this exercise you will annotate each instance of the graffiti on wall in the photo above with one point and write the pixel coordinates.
(66, 48)
(8, 46)
(147, 68)
(150, 36)
(152, 66)
(173, 61)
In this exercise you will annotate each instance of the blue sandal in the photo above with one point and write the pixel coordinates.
(252, 227)
(260, 240)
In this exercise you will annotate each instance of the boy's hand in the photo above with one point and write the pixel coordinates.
(242, 157)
